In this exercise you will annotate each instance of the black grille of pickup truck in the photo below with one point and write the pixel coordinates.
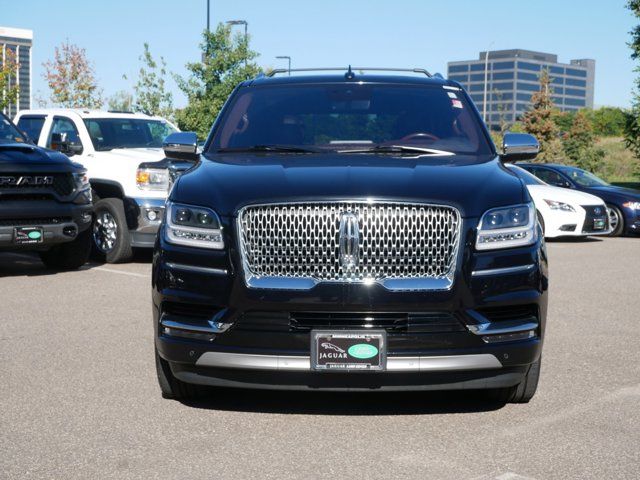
(8, 222)
(62, 184)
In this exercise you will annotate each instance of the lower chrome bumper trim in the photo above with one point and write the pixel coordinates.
(197, 269)
(502, 271)
(441, 363)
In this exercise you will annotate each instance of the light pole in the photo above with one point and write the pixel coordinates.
(208, 11)
(287, 57)
(246, 39)
(486, 73)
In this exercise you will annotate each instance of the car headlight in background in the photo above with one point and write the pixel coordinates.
(81, 180)
(565, 207)
(506, 227)
(632, 205)
(193, 226)
(152, 178)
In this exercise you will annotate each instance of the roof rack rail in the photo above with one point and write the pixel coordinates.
(341, 69)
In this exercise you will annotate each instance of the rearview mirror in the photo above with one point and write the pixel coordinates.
(519, 146)
(181, 146)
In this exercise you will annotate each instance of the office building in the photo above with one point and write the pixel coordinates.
(18, 41)
(512, 76)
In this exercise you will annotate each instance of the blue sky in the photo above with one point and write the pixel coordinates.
(398, 33)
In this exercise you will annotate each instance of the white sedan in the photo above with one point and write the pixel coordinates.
(564, 212)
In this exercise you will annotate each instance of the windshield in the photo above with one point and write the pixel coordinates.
(583, 178)
(109, 133)
(9, 133)
(344, 117)
(526, 177)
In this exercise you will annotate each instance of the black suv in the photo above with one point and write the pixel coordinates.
(351, 231)
(45, 201)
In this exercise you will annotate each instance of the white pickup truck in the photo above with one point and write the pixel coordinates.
(123, 155)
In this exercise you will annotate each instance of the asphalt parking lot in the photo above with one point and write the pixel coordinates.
(79, 397)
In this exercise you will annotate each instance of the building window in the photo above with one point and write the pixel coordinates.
(477, 97)
(526, 97)
(528, 87)
(458, 68)
(577, 102)
(557, 80)
(577, 73)
(502, 86)
(459, 78)
(476, 87)
(574, 82)
(557, 90)
(533, 77)
(503, 75)
(556, 70)
(529, 66)
(477, 67)
(503, 65)
(557, 100)
(477, 77)
(522, 107)
(576, 92)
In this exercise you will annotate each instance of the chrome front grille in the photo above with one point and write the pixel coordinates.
(399, 245)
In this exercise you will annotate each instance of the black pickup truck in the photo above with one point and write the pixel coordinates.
(45, 201)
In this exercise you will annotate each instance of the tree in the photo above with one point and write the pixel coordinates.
(212, 80)
(607, 121)
(151, 94)
(121, 101)
(71, 78)
(632, 121)
(539, 121)
(579, 144)
(9, 88)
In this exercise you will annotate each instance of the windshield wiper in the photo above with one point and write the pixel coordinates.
(398, 149)
(269, 148)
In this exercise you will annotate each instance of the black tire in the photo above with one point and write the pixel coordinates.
(110, 232)
(521, 393)
(69, 256)
(171, 387)
(540, 221)
(619, 228)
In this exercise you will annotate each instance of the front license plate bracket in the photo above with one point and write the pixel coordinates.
(348, 350)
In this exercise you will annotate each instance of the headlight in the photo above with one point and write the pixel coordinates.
(193, 226)
(152, 178)
(565, 207)
(81, 179)
(632, 205)
(507, 227)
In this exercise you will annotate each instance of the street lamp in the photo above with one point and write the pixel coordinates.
(287, 57)
(486, 72)
(246, 40)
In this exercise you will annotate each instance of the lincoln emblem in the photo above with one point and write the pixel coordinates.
(349, 240)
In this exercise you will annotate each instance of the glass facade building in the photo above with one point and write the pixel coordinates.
(512, 76)
(19, 42)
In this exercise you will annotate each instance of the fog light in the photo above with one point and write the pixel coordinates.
(509, 337)
(152, 215)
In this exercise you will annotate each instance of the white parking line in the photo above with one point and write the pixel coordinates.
(120, 272)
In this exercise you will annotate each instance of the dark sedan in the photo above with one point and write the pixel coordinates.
(623, 203)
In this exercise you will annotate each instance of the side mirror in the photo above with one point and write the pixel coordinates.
(181, 146)
(519, 146)
(60, 142)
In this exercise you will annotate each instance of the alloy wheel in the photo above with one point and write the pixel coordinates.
(614, 220)
(105, 232)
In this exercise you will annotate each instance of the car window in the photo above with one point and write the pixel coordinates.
(32, 126)
(550, 177)
(526, 177)
(583, 178)
(65, 126)
(335, 116)
(110, 133)
(8, 132)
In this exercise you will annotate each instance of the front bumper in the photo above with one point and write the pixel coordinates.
(60, 222)
(248, 338)
(144, 217)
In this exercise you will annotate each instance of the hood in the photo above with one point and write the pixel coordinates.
(565, 195)
(611, 191)
(139, 154)
(21, 157)
(228, 182)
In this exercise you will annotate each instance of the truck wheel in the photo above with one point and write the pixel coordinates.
(111, 239)
(521, 393)
(616, 220)
(171, 387)
(69, 256)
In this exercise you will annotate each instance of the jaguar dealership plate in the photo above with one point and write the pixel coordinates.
(348, 350)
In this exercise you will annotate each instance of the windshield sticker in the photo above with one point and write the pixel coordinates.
(452, 95)
(456, 103)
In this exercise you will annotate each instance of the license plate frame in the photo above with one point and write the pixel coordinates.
(599, 223)
(25, 235)
(349, 350)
